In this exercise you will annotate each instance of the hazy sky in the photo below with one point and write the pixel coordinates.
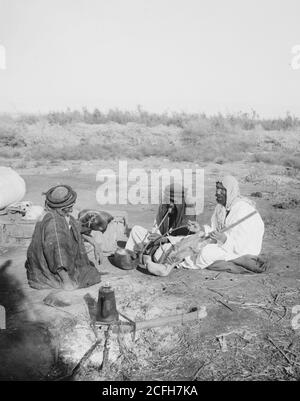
(192, 55)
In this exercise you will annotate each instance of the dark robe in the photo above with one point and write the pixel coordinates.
(55, 246)
(177, 219)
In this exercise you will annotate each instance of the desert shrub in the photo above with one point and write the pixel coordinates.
(212, 140)
(9, 153)
(188, 154)
(76, 152)
(243, 120)
(219, 138)
(249, 121)
(220, 160)
(65, 117)
(97, 117)
(278, 159)
(269, 158)
(87, 151)
(22, 164)
(29, 119)
(160, 149)
(9, 135)
(60, 118)
(280, 124)
(196, 130)
(291, 161)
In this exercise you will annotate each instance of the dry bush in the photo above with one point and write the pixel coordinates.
(213, 140)
(10, 134)
(243, 120)
(9, 153)
(179, 137)
(292, 161)
(278, 158)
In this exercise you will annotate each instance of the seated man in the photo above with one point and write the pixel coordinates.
(242, 239)
(56, 256)
(171, 215)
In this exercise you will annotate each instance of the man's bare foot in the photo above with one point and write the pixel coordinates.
(159, 269)
(146, 259)
(69, 287)
(67, 283)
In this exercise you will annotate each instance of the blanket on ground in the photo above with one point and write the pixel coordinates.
(246, 264)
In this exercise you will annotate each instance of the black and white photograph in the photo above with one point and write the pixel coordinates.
(149, 193)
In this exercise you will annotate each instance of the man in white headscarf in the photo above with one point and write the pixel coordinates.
(244, 238)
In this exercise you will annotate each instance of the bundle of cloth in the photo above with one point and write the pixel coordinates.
(94, 220)
(27, 209)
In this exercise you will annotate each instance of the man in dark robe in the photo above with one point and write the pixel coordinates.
(171, 219)
(56, 256)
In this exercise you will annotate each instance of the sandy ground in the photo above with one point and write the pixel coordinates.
(249, 332)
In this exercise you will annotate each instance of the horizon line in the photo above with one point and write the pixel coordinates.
(140, 108)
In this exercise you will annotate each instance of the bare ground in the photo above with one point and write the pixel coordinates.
(247, 334)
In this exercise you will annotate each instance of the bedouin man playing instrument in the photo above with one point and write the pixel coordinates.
(236, 230)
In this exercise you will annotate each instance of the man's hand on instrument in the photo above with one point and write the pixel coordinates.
(154, 236)
(217, 236)
(194, 227)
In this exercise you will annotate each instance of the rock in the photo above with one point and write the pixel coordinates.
(57, 299)
(256, 195)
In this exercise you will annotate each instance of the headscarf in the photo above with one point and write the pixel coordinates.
(233, 195)
(231, 185)
(60, 197)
